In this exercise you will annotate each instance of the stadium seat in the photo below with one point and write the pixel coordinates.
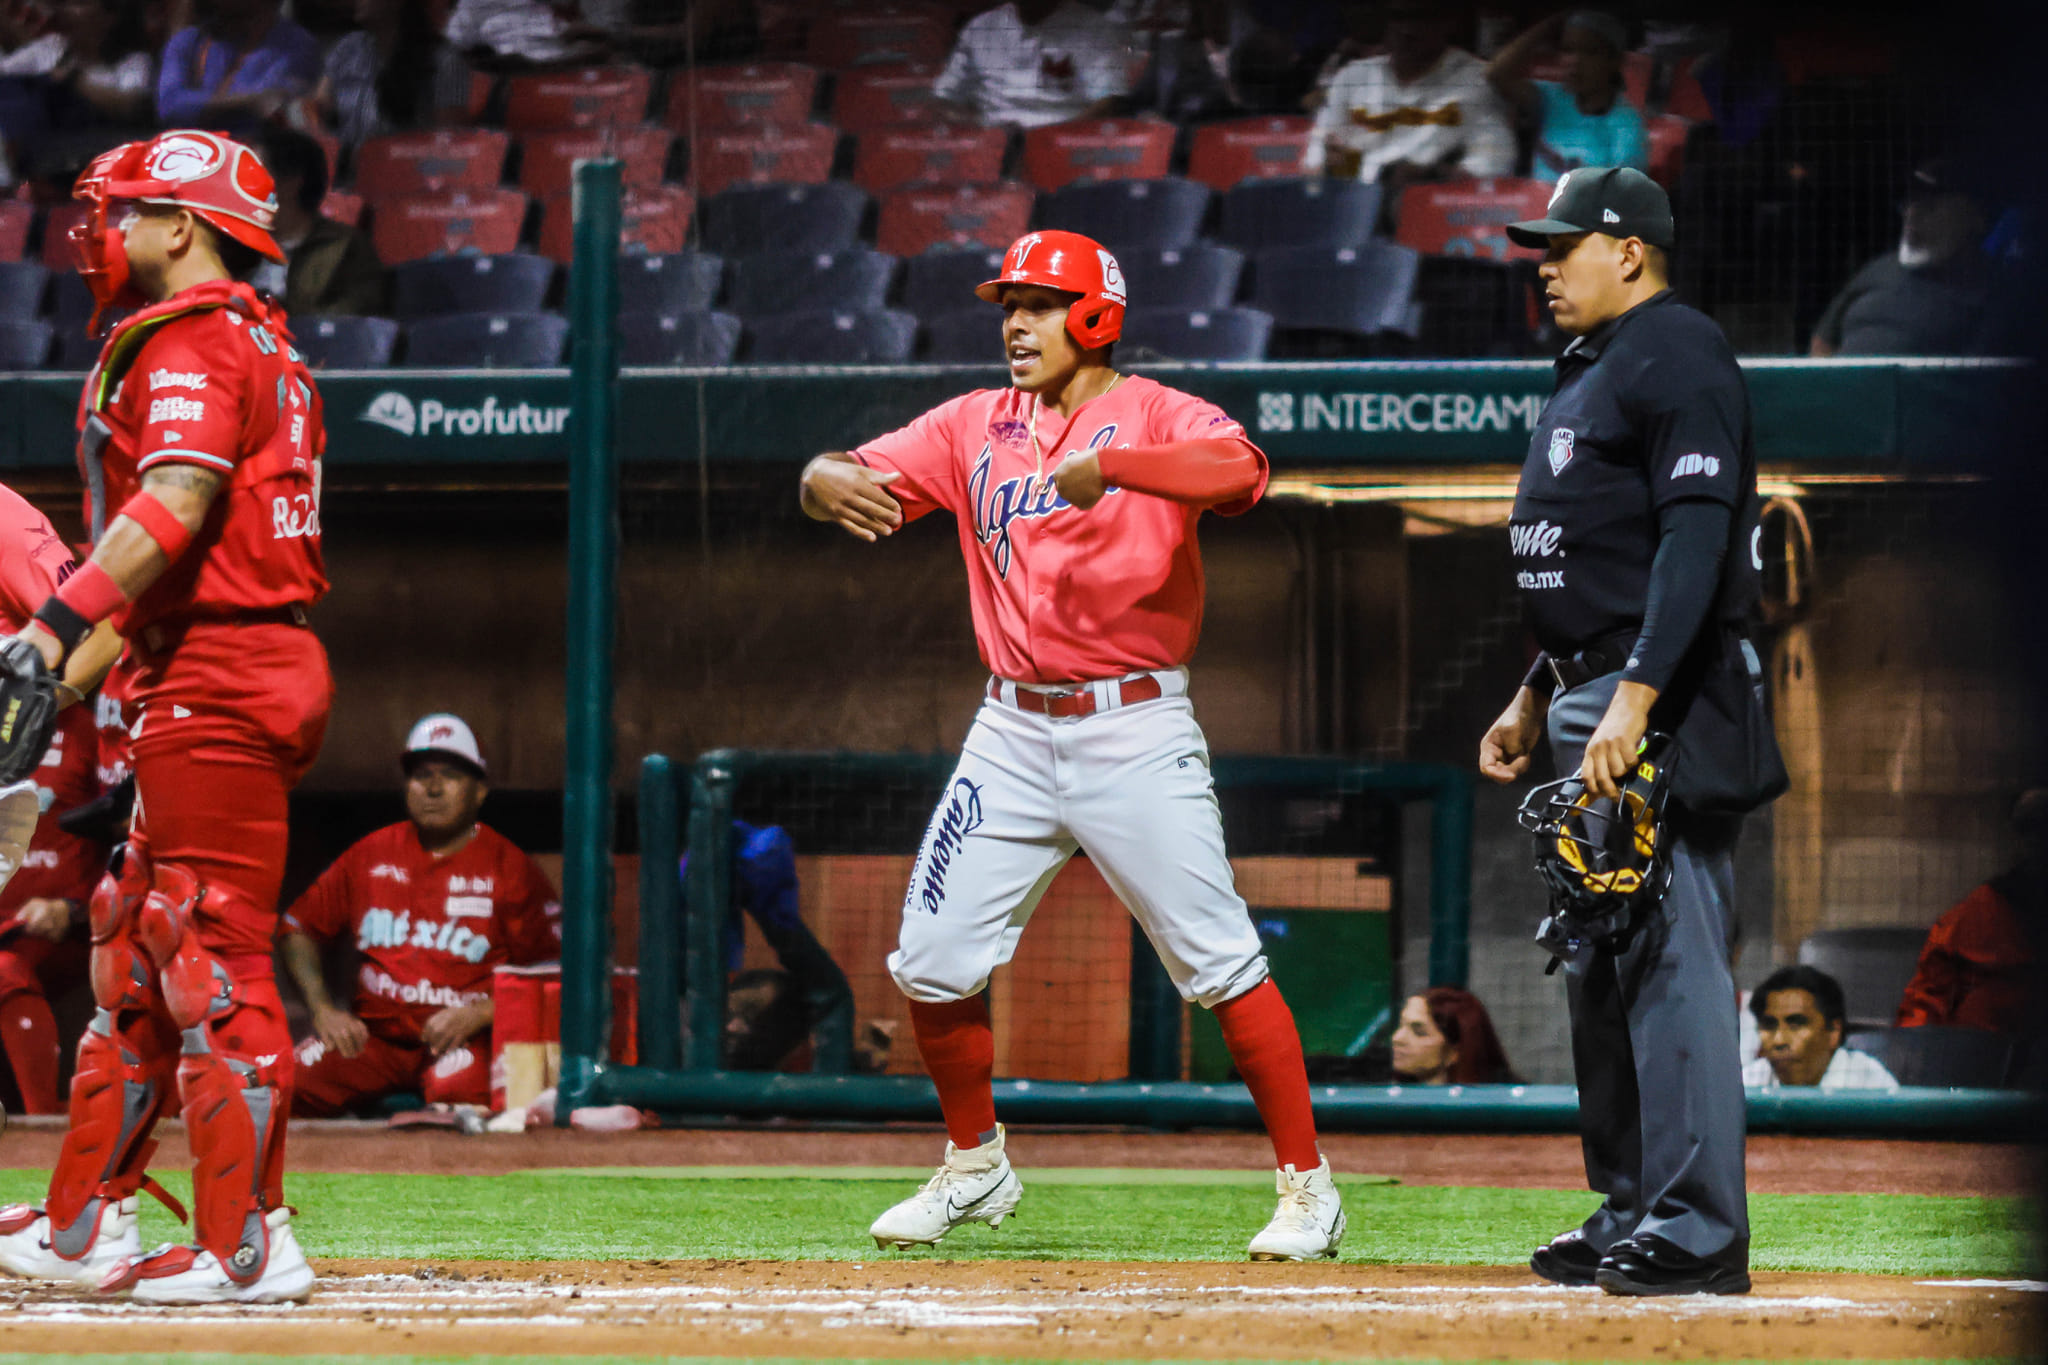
(1195, 334)
(24, 343)
(1470, 217)
(547, 160)
(784, 218)
(15, 220)
(70, 300)
(592, 97)
(1200, 276)
(1352, 292)
(671, 282)
(929, 154)
(22, 287)
(1948, 1057)
(430, 162)
(919, 219)
(652, 218)
(1873, 964)
(1667, 135)
(517, 282)
(938, 281)
(488, 341)
(708, 97)
(1224, 154)
(346, 343)
(880, 336)
(883, 96)
(877, 34)
(1472, 307)
(694, 338)
(343, 206)
(57, 224)
(416, 225)
(75, 350)
(1097, 149)
(1128, 215)
(855, 279)
(1306, 211)
(969, 335)
(797, 155)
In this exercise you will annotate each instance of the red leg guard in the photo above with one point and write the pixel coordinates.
(121, 1087)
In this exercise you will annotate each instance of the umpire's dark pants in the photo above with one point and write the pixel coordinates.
(1654, 1040)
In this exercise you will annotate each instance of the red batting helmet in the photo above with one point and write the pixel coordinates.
(215, 177)
(1077, 264)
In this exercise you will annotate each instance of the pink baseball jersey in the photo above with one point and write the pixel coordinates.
(1063, 595)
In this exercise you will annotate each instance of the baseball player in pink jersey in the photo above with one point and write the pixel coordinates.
(1076, 490)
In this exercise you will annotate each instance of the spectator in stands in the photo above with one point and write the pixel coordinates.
(520, 33)
(1221, 63)
(1421, 111)
(1585, 119)
(237, 67)
(1027, 63)
(435, 904)
(1800, 1021)
(29, 44)
(678, 32)
(1931, 295)
(106, 74)
(1445, 1037)
(1978, 966)
(379, 78)
(329, 267)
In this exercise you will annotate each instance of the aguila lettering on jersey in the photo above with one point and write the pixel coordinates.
(1021, 497)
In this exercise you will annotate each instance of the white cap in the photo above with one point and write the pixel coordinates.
(445, 736)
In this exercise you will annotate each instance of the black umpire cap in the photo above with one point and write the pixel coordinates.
(1617, 200)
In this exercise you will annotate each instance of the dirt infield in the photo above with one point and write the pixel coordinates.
(941, 1310)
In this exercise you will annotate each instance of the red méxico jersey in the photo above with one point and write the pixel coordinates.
(61, 865)
(209, 378)
(430, 930)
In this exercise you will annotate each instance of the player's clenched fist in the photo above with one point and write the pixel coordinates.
(1079, 479)
(837, 488)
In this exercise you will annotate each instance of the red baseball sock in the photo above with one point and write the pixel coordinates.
(1259, 1030)
(28, 1031)
(958, 1045)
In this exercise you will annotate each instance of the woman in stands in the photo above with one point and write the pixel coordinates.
(1446, 1038)
(1585, 119)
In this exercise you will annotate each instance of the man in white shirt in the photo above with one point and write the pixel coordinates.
(522, 31)
(1800, 1019)
(1421, 111)
(1033, 62)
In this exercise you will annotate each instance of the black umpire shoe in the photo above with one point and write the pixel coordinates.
(1647, 1265)
(1566, 1259)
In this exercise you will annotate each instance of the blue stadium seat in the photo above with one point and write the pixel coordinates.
(22, 286)
(1195, 334)
(964, 336)
(488, 341)
(755, 218)
(1346, 294)
(1204, 275)
(1127, 215)
(441, 285)
(345, 343)
(71, 301)
(879, 336)
(1260, 215)
(678, 338)
(680, 282)
(854, 279)
(24, 343)
(75, 350)
(943, 280)
(1948, 1057)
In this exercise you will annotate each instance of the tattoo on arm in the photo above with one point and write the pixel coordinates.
(188, 478)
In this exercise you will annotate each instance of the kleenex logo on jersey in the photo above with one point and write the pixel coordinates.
(175, 379)
(1708, 465)
(431, 417)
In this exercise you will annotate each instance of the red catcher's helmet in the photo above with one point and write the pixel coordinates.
(217, 178)
(1077, 264)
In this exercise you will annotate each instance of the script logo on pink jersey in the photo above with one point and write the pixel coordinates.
(1023, 496)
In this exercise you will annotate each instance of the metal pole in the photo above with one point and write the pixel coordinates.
(710, 896)
(1450, 879)
(661, 907)
(593, 574)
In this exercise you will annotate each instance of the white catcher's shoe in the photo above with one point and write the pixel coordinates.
(184, 1274)
(28, 1248)
(974, 1186)
(1309, 1221)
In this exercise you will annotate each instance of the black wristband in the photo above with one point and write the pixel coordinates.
(57, 617)
(1539, 676)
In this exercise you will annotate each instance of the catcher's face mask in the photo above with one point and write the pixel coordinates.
(1603, 860)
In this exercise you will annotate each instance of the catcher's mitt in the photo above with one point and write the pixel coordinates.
(28, 709)
(1602, 866)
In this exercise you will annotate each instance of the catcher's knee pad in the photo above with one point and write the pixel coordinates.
(195, 982)
(121, 970)
(119, 1087)
(234, 1118)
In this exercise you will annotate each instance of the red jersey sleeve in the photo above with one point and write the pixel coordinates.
(33, 559)
(189, 390)
(1178, 416)
(529, 915)
(327, 909)
(924, 454)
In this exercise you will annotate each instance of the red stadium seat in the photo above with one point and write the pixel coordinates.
(57, 224)
(430, 162)
(881, 33)
(1247, 149)
(654, 221)
(593, 97)
(1466, 217)
(343, 207)
(547, 160)
(937, 154)
(883, 96)
(733, 96)
(801, 155)
(416, 225)
(1097, 149)
(15, 219)
(916, 220)
(1667, 134)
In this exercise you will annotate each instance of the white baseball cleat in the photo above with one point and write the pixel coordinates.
(31, 1248)
(974, 1186)
(1310, 1220)
(187, 1275)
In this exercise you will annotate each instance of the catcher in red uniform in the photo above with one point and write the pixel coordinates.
(200, 440)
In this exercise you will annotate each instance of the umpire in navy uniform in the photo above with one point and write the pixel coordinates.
(1636, 550)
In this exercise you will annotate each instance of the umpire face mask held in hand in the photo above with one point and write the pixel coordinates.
(1604, 862)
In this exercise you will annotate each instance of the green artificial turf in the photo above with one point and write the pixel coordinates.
(560, 1215)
